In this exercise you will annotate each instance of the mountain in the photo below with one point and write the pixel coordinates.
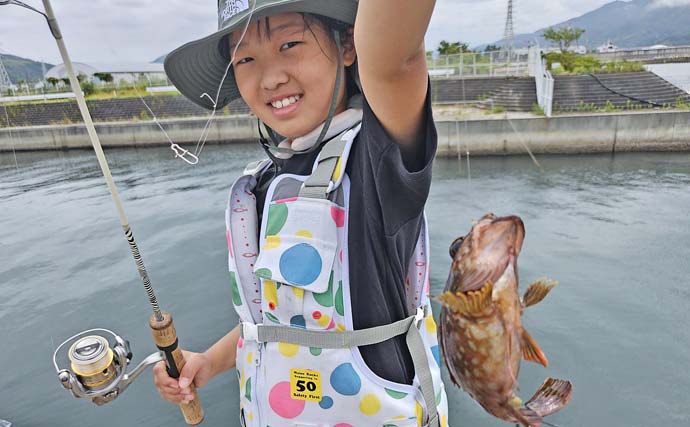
(23, 69)
(636, 23)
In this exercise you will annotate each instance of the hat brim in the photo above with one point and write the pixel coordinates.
(197, 68)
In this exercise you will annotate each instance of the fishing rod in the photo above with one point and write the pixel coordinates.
(98, 371)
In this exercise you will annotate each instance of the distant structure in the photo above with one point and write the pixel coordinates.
(509, 32)
(607, 47)
(5, 82)
(129, 72)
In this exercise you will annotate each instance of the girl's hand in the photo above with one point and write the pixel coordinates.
(197, 370)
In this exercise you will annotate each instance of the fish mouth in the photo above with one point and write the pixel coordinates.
(503, 230)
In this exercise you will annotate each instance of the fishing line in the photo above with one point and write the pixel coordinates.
(97, 371)
(192, 158)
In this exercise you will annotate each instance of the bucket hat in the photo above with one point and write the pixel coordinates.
(198, 67)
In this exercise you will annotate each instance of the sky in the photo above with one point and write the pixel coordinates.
(110, 31)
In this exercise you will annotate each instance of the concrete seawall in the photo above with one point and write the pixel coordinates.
(602, 133)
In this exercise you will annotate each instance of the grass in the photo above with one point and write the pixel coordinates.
(496, 110)
(537, 110)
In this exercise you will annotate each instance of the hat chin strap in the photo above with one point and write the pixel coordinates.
(286, 148)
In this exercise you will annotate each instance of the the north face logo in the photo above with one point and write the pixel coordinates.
(233, 7)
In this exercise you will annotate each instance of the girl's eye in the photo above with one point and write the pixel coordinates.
(243, 61)
(289, 45)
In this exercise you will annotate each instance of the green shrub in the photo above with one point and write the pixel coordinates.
(88, 88)
(573, 63)
(537, 110)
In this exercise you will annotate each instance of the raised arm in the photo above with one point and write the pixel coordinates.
(389, 38)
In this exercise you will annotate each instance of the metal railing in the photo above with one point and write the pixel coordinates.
(667, 53)
(480, 64)
(543, 80)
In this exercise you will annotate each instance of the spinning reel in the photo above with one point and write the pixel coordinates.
(98, 367)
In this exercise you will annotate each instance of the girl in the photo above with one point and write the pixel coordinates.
(327, 238)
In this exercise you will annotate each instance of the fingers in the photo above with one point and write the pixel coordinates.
(169, 388)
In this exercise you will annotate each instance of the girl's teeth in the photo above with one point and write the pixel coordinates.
(285, 102)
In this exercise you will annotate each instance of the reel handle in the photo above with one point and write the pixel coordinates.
(165, 337)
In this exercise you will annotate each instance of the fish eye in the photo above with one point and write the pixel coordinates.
(455, 246)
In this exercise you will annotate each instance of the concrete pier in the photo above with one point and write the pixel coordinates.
(596, 133)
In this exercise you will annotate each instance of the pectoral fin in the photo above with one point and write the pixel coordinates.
(531, 351)
(469, 303)
(537, 291)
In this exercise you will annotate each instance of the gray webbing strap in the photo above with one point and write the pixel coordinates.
(316, 186)
(347, 339)
(325, 339)
(421, 368)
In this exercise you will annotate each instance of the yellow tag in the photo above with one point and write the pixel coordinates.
(305, 385)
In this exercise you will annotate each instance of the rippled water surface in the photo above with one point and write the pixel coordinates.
(613, 231)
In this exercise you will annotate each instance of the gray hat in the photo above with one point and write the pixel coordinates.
(198, 67)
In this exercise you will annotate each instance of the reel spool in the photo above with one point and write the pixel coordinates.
(98, 369)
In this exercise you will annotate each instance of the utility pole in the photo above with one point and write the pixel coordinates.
(5, 82)
(509, 32)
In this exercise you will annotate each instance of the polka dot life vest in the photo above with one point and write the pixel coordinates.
(298, 361)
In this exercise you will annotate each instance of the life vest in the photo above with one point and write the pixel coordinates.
(298, 361)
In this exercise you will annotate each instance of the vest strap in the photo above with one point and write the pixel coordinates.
(318, 185)
(347, 339)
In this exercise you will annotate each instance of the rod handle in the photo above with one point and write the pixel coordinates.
(165, 337)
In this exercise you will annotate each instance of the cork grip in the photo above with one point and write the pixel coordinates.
(165, 338)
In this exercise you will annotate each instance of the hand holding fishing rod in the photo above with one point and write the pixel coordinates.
(99, 368)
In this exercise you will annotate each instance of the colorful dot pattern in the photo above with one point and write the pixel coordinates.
(351, 395)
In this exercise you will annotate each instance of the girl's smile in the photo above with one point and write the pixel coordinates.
(284, 106)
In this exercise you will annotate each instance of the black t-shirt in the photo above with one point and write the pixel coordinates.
(385, 216)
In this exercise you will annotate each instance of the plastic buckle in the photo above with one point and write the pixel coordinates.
(419, 315)
(250, 331)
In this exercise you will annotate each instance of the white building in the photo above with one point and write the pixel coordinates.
(150, 72)
(607, 47)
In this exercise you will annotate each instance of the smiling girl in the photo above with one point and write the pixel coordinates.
(327, 239)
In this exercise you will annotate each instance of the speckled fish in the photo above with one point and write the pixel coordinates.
(481, 332)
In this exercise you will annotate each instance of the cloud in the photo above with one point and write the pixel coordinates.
(142, 30)
(670, 3)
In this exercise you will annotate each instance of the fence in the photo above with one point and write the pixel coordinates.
(543, 80)
(662, 54)
(480, 64)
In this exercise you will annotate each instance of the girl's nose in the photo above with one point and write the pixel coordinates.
(273, 78)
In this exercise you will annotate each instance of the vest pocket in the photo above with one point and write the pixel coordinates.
(299, 246)
(296, 262)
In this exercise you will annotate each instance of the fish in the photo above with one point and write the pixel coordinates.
(480, 330)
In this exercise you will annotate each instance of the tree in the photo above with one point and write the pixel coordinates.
(445, 48)
(104, 77)
(564, 37)
(492, 48)
(53, 81)
(66, 81)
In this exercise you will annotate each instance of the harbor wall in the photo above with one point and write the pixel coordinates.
(596, 133)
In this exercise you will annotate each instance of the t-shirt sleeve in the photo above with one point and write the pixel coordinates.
(400, 189)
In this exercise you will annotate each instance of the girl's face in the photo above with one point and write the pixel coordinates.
(286, 73)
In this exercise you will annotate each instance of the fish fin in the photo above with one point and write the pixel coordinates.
(551, 397)
(537, 291)
(531, 351)
(529, 417)
(470, 303)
